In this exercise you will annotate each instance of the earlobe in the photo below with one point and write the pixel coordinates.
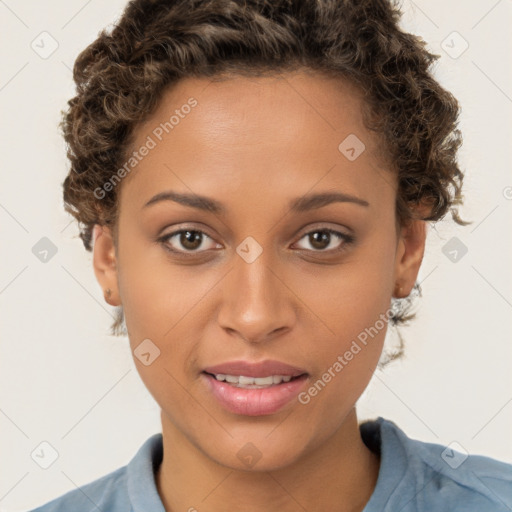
(410, 251)
(105, 264)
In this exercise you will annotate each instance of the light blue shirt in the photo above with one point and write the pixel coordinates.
(414, 476)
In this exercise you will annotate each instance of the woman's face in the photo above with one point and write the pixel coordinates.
(261, 278)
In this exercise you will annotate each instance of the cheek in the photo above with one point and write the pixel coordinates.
(160, 300)
(351, 296)
(157, 301)
(352, 304)
(154, 291)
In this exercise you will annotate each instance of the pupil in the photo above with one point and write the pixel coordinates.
(324, 237)
(188, 239)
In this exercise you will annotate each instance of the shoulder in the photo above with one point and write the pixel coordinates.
(106, 493)
(127, 488)
(431, 476)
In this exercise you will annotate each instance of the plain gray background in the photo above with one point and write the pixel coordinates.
(65, 381)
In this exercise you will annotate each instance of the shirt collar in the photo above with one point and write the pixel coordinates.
(141, 470)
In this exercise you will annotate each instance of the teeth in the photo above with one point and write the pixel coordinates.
(241, 381)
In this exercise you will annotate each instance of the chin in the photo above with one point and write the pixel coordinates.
(257, 453)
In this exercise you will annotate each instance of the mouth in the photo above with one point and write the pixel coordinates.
(254, 396)
(246, 382)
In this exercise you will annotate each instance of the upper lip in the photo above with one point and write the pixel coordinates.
(260, 369)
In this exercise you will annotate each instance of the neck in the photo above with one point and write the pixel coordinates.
(339, 475)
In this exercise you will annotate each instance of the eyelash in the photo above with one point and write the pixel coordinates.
(347, 239)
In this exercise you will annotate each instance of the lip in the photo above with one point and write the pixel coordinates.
(254, 402)
(259, 369)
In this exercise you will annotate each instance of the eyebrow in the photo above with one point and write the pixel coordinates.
(298, 205)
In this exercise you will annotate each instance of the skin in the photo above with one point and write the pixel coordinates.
(254, 144)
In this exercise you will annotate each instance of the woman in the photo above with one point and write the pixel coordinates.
(255, 180)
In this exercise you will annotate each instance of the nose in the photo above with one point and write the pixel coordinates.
(257, 304)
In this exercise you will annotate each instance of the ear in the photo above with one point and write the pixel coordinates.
(409, 255)
(105, 263)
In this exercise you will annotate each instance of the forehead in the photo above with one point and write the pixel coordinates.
(286, 103)
(275, 133)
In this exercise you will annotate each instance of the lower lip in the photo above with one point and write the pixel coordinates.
(254, 402)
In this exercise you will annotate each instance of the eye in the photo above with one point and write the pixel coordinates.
(322, 240)
(189, 239)
(193, 241)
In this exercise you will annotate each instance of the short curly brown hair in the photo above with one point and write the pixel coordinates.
(122, 75)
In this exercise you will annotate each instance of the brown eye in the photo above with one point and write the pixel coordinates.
(327, 240)
(319, 239)
(190, 239)
(185, 240)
